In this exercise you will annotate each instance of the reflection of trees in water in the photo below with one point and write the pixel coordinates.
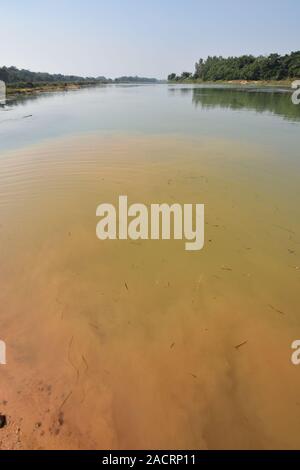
(275, 102)
(22, 99)
(208, 97)
(263, 100)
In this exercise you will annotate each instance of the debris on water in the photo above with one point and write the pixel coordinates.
(285, 229)
(61, 418)
(70, 359)
(277, 310)
(28, 116)
(85, 362)
(226, 268)
(3, 421)
(66, 399)
(238, 346)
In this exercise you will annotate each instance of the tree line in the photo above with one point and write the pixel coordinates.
(246, 67)
(14, 76)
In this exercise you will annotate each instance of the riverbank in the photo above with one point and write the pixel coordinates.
(25, 89)
(28, 88)
(254, 83)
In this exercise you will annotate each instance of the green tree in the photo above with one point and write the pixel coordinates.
(172, 77)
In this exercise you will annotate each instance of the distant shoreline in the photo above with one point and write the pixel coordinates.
(254, 83)
(53, 87)
(46, 87)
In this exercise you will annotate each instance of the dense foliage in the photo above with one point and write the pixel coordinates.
(14, 76)
(134, 80)
(246, 67)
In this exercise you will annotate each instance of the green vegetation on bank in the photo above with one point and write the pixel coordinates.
(134, 79)
(273, 67)
(13, 76)
(25, 81)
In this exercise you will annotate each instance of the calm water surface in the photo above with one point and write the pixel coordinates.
(267, 116)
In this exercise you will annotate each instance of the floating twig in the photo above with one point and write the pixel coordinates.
(69, 359)
(277, 310)
(85, 362)
(66, 399)
(238, 346)
(225, 268)
(285, 229)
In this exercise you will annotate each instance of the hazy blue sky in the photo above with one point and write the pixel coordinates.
(144, 37)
